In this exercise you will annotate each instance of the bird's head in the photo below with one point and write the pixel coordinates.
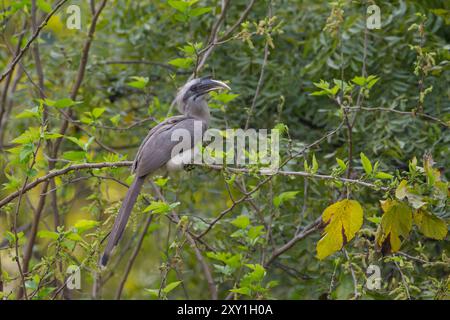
(193, 93)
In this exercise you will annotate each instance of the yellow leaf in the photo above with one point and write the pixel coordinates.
(343, 219)
(396, 222)
(430, 225)
(400, 192)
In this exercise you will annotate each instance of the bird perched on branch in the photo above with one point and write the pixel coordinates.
(155, 151)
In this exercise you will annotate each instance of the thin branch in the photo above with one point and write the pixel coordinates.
(135, 253)
(241, 19)
(406, 113)
(259, 85)
(3, 99)
(56, 173)
(207, 272)
(30, 41)
(64, 126)
(146, 62)
(309, 229)
(352, 271)
(402, 276)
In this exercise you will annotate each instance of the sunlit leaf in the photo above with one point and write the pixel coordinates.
(430, 225)
(343, 219)
(396, 222)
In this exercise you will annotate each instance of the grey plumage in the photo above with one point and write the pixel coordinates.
(156, 149)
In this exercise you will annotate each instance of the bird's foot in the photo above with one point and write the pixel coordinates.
(188, 167)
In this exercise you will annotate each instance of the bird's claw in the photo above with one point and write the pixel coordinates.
(188, 167)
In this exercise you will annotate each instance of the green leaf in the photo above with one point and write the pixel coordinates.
(343, 218)
(139, 82)
(199, 11)
(383, 175)
(402, 189)
(161, 182)
(52, 135)
(430, 225)
(171, 286)
(241, 222)
(115, 120)
(183, 63)
(97, 112)
(33, 134)
(283, 197)
(26, 152)
(341, 164)
(366, 163)
(74, 237)
(315, 165)
(224, 97)
(153, 292)
(255, 232)
(326, 90)
(376, 220)
(29, 113)
(83, 225)
(161, 207)
(74, 155)
(368, 82)
(181, 6)
(62, 103)
(44, 6)
(396, 222)
(77, 141)
(244, 290)
(45, 234)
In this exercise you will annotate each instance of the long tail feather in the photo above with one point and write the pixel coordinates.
(122, 218)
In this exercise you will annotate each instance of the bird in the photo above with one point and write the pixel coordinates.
(155, 151)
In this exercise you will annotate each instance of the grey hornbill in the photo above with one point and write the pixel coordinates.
(155, 151)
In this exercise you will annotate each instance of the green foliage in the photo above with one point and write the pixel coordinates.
(363, 114)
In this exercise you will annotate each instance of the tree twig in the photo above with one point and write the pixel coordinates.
(30, 41)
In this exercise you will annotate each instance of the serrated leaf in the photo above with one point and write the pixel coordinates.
(396, 222)
(430, 225)
(343, 219)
